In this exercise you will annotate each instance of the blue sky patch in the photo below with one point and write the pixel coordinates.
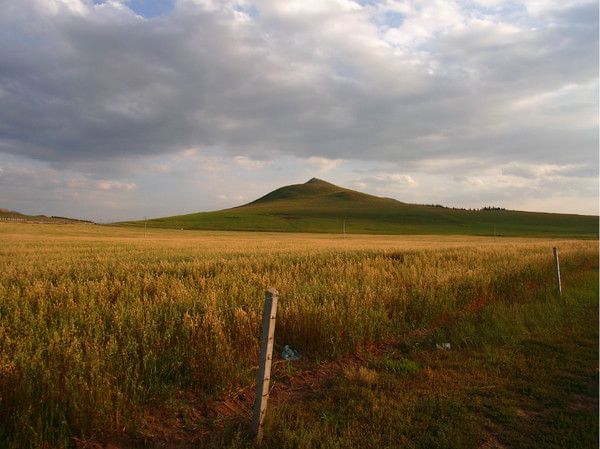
(368, 2)
(148, 8)
(393, 19)
(151, 8)
(250, 10)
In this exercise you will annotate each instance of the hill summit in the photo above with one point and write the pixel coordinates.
(320, 206)
(315, 189)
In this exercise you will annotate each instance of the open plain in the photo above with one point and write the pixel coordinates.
(126, 336)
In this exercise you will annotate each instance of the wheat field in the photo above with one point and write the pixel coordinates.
(98, 322)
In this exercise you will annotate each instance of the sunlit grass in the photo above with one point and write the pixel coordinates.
(96, 322)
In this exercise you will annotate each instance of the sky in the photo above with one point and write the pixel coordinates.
(114, 110)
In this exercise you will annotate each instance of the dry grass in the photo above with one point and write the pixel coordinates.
(97, 322)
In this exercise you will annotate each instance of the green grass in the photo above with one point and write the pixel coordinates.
(394, 365)
(517, 376)
(318, 206)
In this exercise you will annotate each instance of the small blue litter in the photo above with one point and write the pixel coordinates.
(289, 353)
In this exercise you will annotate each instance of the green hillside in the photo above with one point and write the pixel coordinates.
(12, 216)
(318, 206)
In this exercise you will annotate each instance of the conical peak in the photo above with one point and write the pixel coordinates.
(316, 182)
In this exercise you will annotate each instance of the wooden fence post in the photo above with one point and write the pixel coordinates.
(557, 268)
(264, 370)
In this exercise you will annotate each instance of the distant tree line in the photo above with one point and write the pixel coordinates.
(491, 208)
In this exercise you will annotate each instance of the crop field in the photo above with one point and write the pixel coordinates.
(104, 331)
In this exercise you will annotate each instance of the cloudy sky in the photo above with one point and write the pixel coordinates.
(122, 109)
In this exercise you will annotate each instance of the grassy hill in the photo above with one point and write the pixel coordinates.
(318, 206)
(12, 216)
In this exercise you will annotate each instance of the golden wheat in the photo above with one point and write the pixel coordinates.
(96, 322)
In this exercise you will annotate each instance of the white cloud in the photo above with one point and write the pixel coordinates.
(401, 180)
(300, 75)
(470, 181)
(115, 185)
(532, 171)
(62, 6)
(322, 164)
(386, 183)
(537, 8)
(250, 164)
(425, 88)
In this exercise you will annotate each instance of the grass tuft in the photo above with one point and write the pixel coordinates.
(396, 366)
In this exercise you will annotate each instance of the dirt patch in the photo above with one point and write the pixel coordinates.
(582, 403)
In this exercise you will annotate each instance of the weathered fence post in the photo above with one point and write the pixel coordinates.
(557, 268)
(264, 370)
